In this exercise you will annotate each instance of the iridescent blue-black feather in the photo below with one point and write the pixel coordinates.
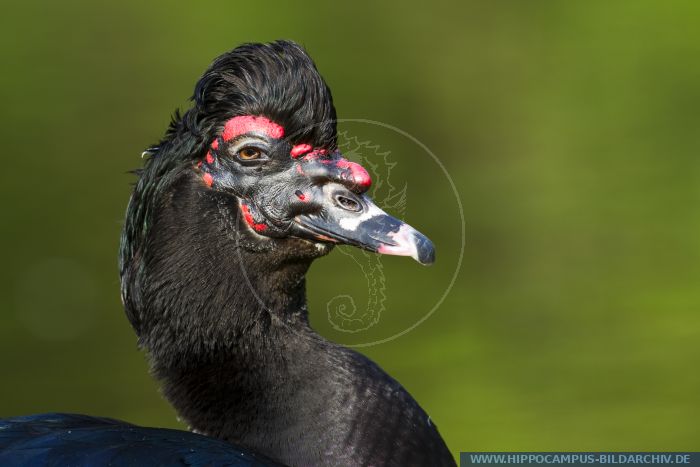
(79, 440)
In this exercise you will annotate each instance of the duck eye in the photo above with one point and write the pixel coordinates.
(249, 154)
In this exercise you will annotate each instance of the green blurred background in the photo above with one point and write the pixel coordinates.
(571, 130)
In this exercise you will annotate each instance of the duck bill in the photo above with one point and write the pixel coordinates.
(370, 228)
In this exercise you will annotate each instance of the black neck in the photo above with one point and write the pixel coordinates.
(226, 327)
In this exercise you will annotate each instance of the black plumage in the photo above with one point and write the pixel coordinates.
(66, 440)
(220, 307)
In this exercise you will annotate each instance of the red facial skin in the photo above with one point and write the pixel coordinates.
(249, 219)
(238, 126)
(303, 152)
(247, 123)
(299, 150)
(358, 173)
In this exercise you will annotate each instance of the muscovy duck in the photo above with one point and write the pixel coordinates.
(245, 190)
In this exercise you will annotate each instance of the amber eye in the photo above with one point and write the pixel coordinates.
(248, 154)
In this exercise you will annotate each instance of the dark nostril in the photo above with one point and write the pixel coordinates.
(348, 204)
